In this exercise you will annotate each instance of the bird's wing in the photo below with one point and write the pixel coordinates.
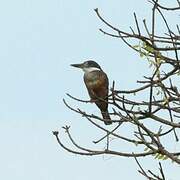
(97, 84)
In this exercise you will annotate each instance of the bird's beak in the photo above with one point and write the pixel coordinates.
(78, 65)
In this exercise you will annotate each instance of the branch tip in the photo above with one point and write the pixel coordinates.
(55, 133)
(96, 9)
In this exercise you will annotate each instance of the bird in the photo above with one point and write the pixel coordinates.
(97, 85)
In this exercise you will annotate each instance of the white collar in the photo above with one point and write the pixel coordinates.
(90, 69)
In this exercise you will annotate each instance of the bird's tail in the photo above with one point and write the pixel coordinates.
(106, 117)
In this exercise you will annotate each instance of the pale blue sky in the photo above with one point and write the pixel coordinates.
(38, 41)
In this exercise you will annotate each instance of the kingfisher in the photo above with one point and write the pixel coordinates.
(97, 84)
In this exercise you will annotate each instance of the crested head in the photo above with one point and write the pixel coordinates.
(88, 66)
(91, 64)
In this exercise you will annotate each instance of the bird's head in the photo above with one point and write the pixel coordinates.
(88, 66)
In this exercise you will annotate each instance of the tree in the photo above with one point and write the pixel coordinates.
(162, 107)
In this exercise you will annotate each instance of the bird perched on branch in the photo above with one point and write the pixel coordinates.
(97, 84)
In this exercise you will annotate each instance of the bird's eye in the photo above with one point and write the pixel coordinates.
(86, 63)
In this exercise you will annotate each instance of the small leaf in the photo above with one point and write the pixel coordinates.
(136, 46)
(150, 49)
(165, 101)
(161, 156)
(157, 155)
(141, 54)
(165, 157)
(144, 44)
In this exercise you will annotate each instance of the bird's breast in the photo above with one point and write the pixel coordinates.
(95, 79)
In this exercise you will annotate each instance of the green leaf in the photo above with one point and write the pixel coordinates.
(165, 101)
(149, 49)
(144, 44)
(165, 157)
(161, 156)
(141, 54)
(136, 46)
(157, 73)
(157, 155)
